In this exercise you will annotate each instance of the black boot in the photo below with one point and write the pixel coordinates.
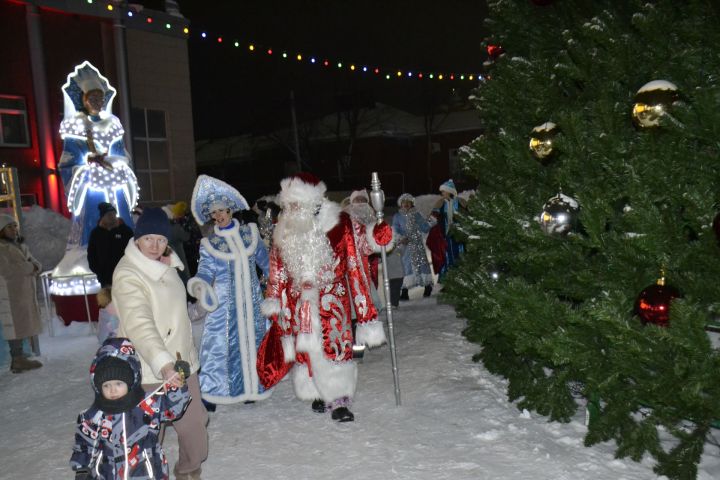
(404, 294)
(428, 291)
(209, 406)
(342, 414)
(318, 406)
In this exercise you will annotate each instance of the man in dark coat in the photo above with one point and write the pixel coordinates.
(107, 243)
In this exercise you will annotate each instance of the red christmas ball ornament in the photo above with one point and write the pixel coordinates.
(653, 303)
(495, 51)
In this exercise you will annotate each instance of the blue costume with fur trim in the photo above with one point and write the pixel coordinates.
(227, 285)
(233, 332)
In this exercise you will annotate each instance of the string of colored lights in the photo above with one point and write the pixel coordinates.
(321, 61)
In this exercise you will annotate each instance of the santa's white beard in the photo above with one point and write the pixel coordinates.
(362, 212)
(304, 247)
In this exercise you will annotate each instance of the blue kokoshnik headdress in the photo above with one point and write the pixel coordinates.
(209, 193)
(83, 79)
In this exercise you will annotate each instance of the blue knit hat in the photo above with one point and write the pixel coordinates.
(153, 221)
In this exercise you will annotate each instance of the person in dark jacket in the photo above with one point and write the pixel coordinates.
(117, 437)
(107, 243)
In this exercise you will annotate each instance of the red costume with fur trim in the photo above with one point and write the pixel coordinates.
(313, 311)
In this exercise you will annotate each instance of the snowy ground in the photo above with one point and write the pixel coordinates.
(454, 422)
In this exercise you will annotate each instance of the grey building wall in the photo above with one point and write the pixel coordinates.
(160, 80)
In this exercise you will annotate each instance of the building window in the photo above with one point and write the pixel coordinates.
(151, 155)
(454, 163)
(13, 122)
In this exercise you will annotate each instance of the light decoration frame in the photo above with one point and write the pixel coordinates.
(254, 48)
(105, 133)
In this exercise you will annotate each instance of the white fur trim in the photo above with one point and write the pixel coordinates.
(359, 193)
(329, 215)
(240, 398)
(293, 189)
(207, 292)
(330, 380)
(302, 383)
(370, 333)
(270, 307)
(371, 240)
(404, 197)
(333, 380)
(288, 345)
(307, 342)
(409, 281)
(448, 189)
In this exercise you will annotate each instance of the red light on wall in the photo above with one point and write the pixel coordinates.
(219, 39)
(149, 20)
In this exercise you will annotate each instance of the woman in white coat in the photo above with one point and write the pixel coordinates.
(150, 300)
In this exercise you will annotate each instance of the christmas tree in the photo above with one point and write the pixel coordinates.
(598, 174)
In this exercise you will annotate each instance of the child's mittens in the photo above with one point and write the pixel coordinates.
(82, 474)
(382, 233)
(183, 368)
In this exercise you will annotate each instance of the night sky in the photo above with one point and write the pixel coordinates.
(236, 92)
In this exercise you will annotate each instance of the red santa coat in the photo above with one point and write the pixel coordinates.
(315, 317)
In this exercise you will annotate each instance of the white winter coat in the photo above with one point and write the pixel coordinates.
(150, 300)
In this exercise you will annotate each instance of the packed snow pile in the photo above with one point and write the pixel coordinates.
(45, 232)
(455, 422)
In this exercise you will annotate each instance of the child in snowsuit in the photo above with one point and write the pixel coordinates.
(124, 419)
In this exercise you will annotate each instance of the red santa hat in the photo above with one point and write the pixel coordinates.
(303, 188)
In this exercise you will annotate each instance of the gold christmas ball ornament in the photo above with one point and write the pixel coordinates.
(653, 102)
(542, 141)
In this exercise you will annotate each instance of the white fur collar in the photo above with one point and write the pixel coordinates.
(227, 232)
(152, 268)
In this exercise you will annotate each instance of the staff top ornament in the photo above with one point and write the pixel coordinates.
(542, 143)
(653, 102)
(559, 215)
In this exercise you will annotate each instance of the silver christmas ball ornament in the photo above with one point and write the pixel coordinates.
(559, 215)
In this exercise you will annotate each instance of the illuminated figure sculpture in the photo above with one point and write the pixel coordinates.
(94, 167)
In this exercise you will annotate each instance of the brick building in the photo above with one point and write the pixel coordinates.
(142, 52)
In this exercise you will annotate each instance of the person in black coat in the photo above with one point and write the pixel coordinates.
(107, 243)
